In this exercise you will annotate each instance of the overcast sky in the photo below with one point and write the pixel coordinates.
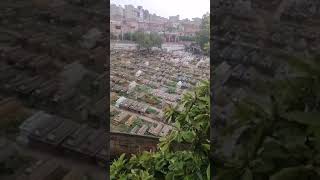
(165, 8)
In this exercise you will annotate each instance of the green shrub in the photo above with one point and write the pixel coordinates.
(138, 122)
(171, 90)
(147, 41)
(151, 111)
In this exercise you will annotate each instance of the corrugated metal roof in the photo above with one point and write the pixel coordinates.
(34, 121)
(73, 73)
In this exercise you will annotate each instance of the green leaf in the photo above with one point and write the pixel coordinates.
(260, 166)
(160, 164)
(292, 173)
(188, 136)
(229, 174)
(169, 176)
(206, 147)
(201, 117)
(247, 175)
(306, 118)
(208, 172)
(199, 175)
(272, 149)
(177, 124)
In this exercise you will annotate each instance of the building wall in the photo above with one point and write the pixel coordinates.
(114, 27)
(141, 14)
(132, 19)
(116, 12)
(174, 18)
(131, 26)
(130, 13)
(130, 144)
(190, 28)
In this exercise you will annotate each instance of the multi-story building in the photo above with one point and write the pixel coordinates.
(131, 19)
(140, 13)
(116, 28)
(116, 12)
(174, 18)
(190, 28)
(116, 19)
(131, 13)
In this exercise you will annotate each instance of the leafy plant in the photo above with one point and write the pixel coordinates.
(149, 98)
(172, 84)
(143, 88)
(151, 111)
(123, 128)
(280, 139)
(183, 154)
(171, 90)
(138, 122)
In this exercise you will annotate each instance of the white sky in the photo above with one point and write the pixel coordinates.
(165, 8)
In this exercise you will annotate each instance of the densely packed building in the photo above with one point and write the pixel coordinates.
(144, 85)
(52, 60)
(129, 19)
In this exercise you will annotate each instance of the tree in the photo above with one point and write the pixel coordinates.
(171, 161)
(112, 36)
(128, 36)
(186, 38)
(203, 36)
(147, 41)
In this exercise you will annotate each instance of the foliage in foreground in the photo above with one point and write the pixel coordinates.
(280, 138)
(170, 161)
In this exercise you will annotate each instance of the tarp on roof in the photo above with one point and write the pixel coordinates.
(119, 101)
(132, 85)
(138, 73)
(179, 84)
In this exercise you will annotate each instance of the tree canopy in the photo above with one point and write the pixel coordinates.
(147, 40)
(203, 36)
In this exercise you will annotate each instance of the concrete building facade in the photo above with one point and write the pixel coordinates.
(129, 19)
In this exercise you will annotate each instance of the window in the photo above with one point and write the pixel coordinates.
(118, 27)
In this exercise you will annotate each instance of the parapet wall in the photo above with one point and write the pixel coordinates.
(131, 144)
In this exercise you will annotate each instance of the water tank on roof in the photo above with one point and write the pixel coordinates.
(132, 85)
(199, 63)
(138, 73)
(119, 101)
(179, 84)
